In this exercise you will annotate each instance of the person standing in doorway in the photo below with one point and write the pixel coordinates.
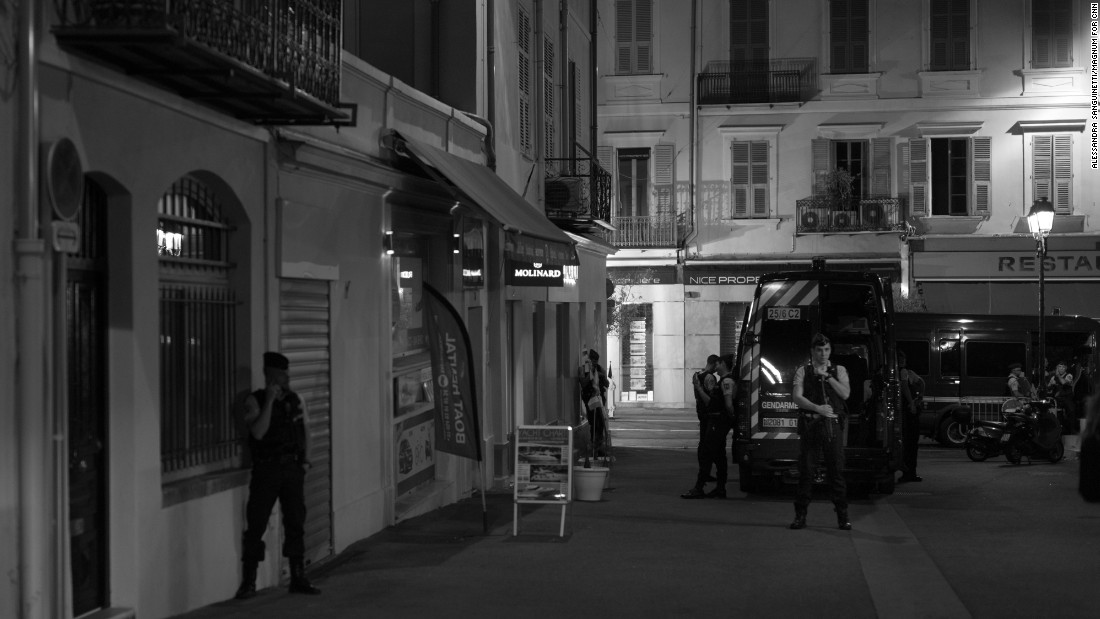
(912, 389)
(718, 422)
(277, 419)
(820, 390)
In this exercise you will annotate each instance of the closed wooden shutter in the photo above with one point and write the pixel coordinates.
(606, 157)
(523, 40)
(949, 37)
(1063, 174)
(903, 171)
(749, 178)
(981, 173)
(304, 337)
(549, 132)
(880, 166)
(1042, 173)
(624, 36)
(821, 150)
(664, 176)
(643, 36)
(759, 155)
(848, 36)
(919, 176)
(739, 178)
(1051, 34)
(633, 36)
(748, 31)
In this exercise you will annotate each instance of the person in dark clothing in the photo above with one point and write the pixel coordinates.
(819, 389)
(277, 419)
(1060, 387)
(594, 384)
(912, 388)
(720, 417)
(702, 383)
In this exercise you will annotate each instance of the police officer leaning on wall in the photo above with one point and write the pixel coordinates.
(277, 419)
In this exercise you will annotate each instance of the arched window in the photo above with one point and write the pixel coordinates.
(197, 334)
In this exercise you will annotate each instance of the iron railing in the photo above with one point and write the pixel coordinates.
(871, 214)
(570, 193)
(779, 80)
(296, 41)
(645, 231)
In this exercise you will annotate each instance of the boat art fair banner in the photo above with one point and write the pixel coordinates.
(456, 423)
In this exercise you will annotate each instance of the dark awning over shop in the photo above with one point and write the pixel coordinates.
(531, 236)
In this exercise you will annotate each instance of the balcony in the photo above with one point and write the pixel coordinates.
(571, 201)
(649, 231)
(819, 215)
(780, 80)
(273, 62)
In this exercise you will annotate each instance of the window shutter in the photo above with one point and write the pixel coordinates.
(1051, 34)
(1041, 172)
(664, 160)
(739, 178)
(523, 36)
(758, 151)
(606, 157)
(859, 27)
(624, 36)
(578, 110)
(1063, 174)
(981, 173)
(903, 170)
(548, 88)
(822, 151)
(919, 176)
(643, 36)
(949, 36)
(839, 36)
(880, 167)
(1062, 35)
(939, 35)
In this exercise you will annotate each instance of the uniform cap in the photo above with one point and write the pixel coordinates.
(276, 361)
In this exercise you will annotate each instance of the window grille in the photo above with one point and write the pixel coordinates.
(199, 433)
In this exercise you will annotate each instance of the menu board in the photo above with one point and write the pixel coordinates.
(544, 461)
(637, 356)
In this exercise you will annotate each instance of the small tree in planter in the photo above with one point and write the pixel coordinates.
(838, 189)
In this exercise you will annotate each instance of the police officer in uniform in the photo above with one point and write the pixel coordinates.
(719, 419)
(276, 418)
(820, 390)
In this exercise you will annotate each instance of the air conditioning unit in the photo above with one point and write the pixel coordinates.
(810, 221)
(843, 220)
(874, 214)
(566, 194)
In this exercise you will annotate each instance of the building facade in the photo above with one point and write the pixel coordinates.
(906, 138)
(306, 169)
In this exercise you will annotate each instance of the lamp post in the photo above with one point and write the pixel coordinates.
(1040, 219)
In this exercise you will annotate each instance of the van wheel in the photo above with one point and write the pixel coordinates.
(951, 433)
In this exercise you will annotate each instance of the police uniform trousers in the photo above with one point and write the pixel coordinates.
(821, 438)
(712, 450)
(283, 479)
(910, 435)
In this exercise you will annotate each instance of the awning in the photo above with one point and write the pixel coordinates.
(530, 235)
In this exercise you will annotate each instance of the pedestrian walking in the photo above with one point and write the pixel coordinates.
(276, 419)
(819, 389)
(912, 389)
(719, 420)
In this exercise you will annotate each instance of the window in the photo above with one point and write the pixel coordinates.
(523, 43)
(1051, 34)
(950, 176)
(633, 37)
(949, 35)
(749, 178)
(749, 32)
(989, 359)
(848, 36)
(1052, 170)
(633, 185)
(868, 161)
(950, 355)
(197, 334)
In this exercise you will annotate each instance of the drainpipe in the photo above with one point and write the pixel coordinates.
(593, 100)
(693, 120)
(34, 412)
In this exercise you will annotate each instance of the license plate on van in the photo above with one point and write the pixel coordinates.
(784, 313)
(780, 422)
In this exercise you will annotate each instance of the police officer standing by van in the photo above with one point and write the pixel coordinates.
(276, 418)
(820, 390)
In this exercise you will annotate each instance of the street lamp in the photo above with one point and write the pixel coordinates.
(1040, 219)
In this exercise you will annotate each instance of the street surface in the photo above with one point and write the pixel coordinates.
(982, 540)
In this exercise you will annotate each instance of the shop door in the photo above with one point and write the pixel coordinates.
(304, 329)
(85, 313)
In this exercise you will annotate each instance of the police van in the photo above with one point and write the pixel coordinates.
(964, 362)
(855, 311)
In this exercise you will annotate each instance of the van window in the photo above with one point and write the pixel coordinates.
(916, 355)
(947, 345)
(991, 359)
(784, 347)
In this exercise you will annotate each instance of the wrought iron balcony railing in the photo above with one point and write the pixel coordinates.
(574, 196)
(265, 61)
(645, 231)
(779, 80)
(821, 215)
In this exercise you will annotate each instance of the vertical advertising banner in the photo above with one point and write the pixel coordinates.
(456, 425)
(637, 355)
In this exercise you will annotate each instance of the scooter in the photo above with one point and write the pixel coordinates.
(1031, 430)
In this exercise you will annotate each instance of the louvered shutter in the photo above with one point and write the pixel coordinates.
(523, 37)
(1063, 174)
(903, 170)
(606, 157)
(919, 176)
(578, 110)
(949, 38)
(758, 152)
(822, 151)
(1041, 167)
(748, 31)
(880, 167)
(859, 26)
(549, 130)
(739, 178)
(624, 36)
(839, 34)
(1062, 37)
(1052, 34)
(643, 36)
(981, 173)
(663, 156)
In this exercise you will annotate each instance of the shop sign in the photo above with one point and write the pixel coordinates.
(640, 276)
(522, 273)
(1004, 266)
(749, 274)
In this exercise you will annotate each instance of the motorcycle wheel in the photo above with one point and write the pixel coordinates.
(975, 453)
(951, 433)
(1012, 454)
(1057, 452)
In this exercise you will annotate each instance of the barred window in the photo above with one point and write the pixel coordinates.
(197, 334)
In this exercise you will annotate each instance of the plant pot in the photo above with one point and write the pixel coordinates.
(588, 483)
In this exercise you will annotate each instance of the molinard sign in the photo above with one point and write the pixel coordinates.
(1005, 266)
(522, 273)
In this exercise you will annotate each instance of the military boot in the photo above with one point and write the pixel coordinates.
(842, 521)
(298, 581)
(799, 518)
(248, 581)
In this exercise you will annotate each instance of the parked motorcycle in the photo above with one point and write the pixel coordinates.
(1030, 430)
